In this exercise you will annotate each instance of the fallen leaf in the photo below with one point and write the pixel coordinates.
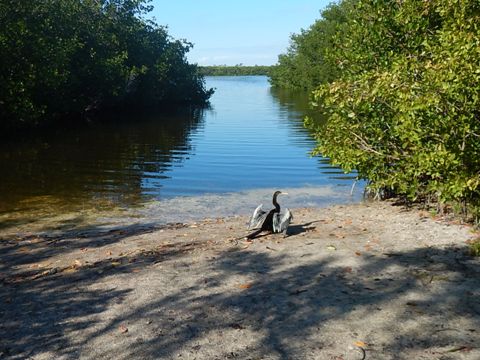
(237, 326)
(123, 329)
(43, 273)
(460, 348)
(331, 247)
(116, 263)
(358, 253)
(245, 286)
(360, 344)
(298, 291)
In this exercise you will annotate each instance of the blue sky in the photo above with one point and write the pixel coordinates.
(232, 32)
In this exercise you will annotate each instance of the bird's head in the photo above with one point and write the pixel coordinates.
(278, 192)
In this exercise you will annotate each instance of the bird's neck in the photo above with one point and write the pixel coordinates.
(276, 204)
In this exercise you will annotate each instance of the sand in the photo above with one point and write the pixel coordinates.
(357, 281)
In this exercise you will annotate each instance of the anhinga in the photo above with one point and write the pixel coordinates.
(274, 221)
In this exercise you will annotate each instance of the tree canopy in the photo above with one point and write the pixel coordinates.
(403, 100)
(235, 70)
(306, 65)
(66, 57)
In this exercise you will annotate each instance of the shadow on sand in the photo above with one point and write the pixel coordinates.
(282, 307)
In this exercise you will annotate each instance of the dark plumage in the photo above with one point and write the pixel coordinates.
(275, 221)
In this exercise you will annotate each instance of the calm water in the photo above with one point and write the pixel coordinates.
(251, 138)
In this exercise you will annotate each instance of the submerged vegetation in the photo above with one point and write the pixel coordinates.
(399, 85)
(236, 70)
(69, 57)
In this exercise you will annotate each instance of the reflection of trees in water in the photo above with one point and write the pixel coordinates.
(104, 161)
(292, 99)
(297, 105)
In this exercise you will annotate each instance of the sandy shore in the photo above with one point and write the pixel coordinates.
(370, 281)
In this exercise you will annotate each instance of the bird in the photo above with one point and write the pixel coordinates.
(274, 221)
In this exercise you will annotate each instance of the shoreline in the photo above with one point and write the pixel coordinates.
(369, 276)
(51, 214)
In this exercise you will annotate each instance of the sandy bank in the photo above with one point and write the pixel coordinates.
(350, 280)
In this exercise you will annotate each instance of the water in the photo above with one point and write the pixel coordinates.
(251, 141)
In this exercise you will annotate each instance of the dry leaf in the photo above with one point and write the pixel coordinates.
(116, 263)
(245, 286)
(358, 253)
(331, 247)
(123, 329)
(70, 269)
(360, 344)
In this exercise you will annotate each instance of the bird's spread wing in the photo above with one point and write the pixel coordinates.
(258, 218)
(281, 221)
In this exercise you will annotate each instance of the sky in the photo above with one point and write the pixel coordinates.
(231, 32)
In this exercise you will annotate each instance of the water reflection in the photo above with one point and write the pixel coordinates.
(104, 162)
(296, 106)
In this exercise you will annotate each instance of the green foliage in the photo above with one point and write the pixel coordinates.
(237, 70)
(405, 111)
(305, 65)
(475, 247)
(64, 57)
